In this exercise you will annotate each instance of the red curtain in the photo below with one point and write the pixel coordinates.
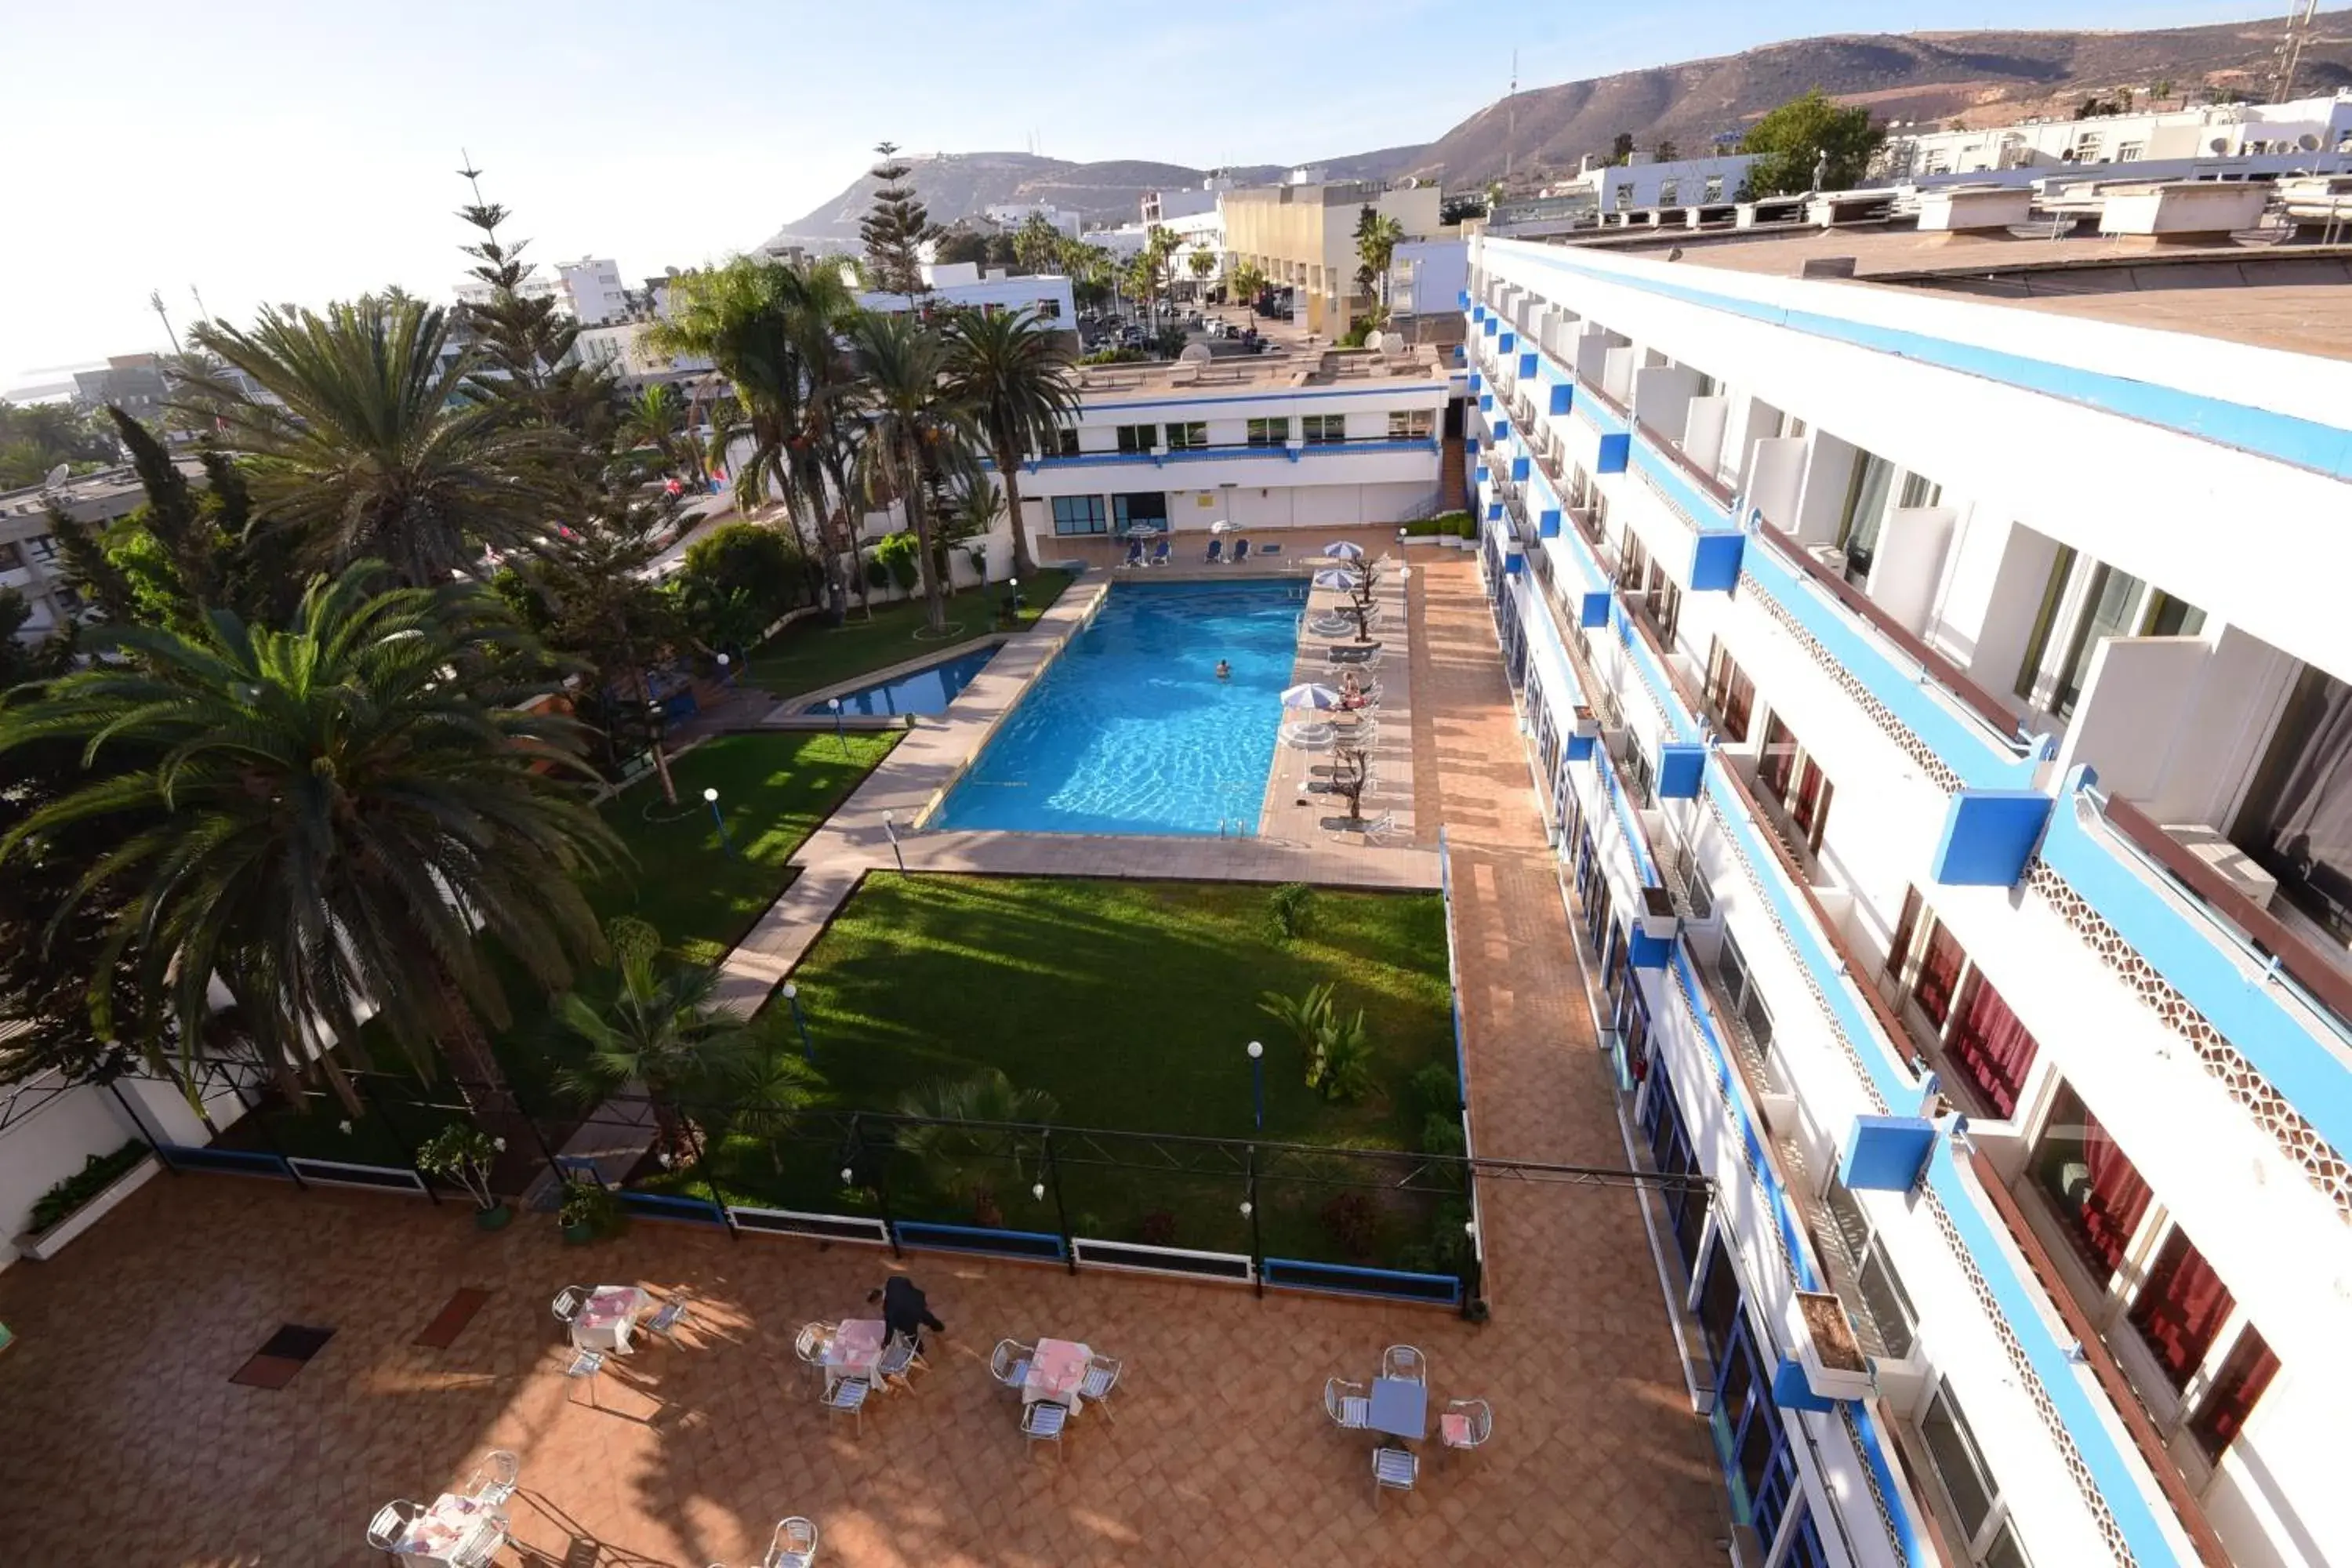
(1939, 971)
(2180, 1309)
(1991, 1049)
(2118, 1197)
(2248, 1371)
(1779, 759)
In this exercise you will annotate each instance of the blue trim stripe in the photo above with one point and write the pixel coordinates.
(1637, 842)
(1551, 654)
(1212, 454)
(2191, 957)
(2082, 1416)
(1698, 508)
(2284, 437)
(1679, 724)
(1600, 418)
(1970, 750)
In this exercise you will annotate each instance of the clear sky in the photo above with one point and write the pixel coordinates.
(304, 149)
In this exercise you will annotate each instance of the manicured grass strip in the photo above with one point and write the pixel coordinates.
(809, 654)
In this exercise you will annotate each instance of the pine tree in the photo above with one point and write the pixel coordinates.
(895, 230)
(528, 340)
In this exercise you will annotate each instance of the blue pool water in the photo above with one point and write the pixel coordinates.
(926, 691)
(1131, 732)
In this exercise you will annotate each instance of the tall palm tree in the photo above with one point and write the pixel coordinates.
(351, 804)
(657, 417)
(375, 447)
(1376, 238)
(1015, 372)
(913, 426)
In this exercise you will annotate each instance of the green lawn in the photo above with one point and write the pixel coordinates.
(809, 654)
(774, 788)
(1130, 1003)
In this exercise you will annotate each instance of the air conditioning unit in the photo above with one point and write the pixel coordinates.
(1829, 555)
(2232, 864)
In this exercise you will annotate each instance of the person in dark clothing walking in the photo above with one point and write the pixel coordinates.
(906, 1311)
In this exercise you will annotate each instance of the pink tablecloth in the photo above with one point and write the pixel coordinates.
(1056, 1370)
(452, 1527)
(603, 1324)
(855, 1349)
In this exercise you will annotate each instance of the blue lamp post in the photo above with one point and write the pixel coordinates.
(834, 703)
(1258, 1081)
(800, 1022)
(710, 798)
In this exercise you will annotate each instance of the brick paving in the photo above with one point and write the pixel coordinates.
(128, 1446)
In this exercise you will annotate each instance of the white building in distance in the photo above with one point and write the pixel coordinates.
(1013, 215)
(2306, 127)
(594, 288)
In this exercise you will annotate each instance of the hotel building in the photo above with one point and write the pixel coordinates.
(1934, 665)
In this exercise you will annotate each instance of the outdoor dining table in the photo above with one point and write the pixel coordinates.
(854, 1350)
(608, 1316)
(1058, 1369)
(454, 1529)
(1399, 1408)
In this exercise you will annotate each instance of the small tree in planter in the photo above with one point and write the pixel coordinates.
(463, 1153)
(589, 1210)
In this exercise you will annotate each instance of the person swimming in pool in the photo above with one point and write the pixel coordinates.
(1224, 670)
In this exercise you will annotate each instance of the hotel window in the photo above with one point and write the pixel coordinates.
(2106, 611)
(1641, 780)
(1969, 1485)
(1138, 438)
(1624, 198)
(2130, 151)
(1080, 514)
(1065, 441)
(2295, 820)
(1792, 776)
(1984, 1044)
(1050, 310)
(2251, 1366)
(2084, 603)
(1188, 437)
(1890, 1305)
(1664, 601)
(1633, 563)
(1269, 432)
(1324, 429)
(2180, 1309)
(12, 556)
(2098, 1192)
(44, 549)
(1733, 694)
(1412, 424)
(1865, 508)
(1713, 192)
(1739, 990)
(1670, 193)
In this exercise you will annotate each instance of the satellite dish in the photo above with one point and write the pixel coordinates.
(56, 477)
(2219, 145)
(2307, 142)
(1376, 341)
(1196, 353)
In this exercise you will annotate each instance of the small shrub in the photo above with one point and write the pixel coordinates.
(900, 556)
(1442, 1134)
(463, 1153)
(1353, 1223)
(593, 1204)
(1436, 1089)
(1345, 1060)
(97, 1174)
(876, 574)
(1291, 908)
(1158, 1229)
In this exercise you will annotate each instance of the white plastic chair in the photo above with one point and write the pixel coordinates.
(1346, 1404)
(1043, 1422)
(1102, 1377)
(793, 1546)
(391, 1523)
(1393, 1470)
(847, 1397)
(1404, 1363)
(495, 1478)
(568, 1302)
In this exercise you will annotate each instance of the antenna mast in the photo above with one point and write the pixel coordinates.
(1511, 117)
(155, 298)
(2290, 50)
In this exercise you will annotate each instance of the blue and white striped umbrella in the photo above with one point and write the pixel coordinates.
(1342, 549)
(1311, 696)
(1335, 579)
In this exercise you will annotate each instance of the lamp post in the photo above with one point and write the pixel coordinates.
(1014, 584)
(834, 703)
(710, 799)
(890, 826)
(1258, 1081)
(800, 1019)
(726, 671)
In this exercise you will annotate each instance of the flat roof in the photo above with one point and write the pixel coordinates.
(2296, 298)
(1275, 372)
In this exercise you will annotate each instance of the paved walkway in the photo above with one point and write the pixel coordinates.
(1298, 804)
(1220, 1452)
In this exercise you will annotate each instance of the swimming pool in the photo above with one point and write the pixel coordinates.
(926, 691)
(1131, 732)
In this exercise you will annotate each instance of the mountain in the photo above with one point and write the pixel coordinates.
(1993, 78)
(1981, 77)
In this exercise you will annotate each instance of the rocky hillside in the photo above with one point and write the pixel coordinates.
(1983, 78)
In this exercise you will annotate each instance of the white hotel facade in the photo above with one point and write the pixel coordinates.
(1941, 705)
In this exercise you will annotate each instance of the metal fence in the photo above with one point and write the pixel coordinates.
(1392, 1224)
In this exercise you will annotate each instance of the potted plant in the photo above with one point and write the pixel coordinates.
(589, 1210)
(463, 1153)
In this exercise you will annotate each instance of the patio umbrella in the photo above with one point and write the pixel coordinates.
(1311, 696)
(1342, 549)
(1225, 525)
(1335, 579)
(1142, 530)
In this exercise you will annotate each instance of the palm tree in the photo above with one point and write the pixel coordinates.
(1377, 237)
(1014, 373)
(376, 447)
(1201, 264)
(661, 1029)
(657, 417)
(969, 1162)
(351, 804)
(913, 427)
(1249, 282)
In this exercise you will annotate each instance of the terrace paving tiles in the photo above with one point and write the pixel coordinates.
(1221, 1453)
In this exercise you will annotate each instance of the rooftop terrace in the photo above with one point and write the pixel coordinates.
(1271, 371)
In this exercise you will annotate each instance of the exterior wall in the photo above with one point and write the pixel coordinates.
(1303, 236)
(594, 289)
(1973, 519)
(1619, 187)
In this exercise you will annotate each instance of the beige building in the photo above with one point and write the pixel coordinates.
(1304, 236)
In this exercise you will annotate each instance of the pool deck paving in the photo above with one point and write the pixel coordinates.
(686, 1452)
